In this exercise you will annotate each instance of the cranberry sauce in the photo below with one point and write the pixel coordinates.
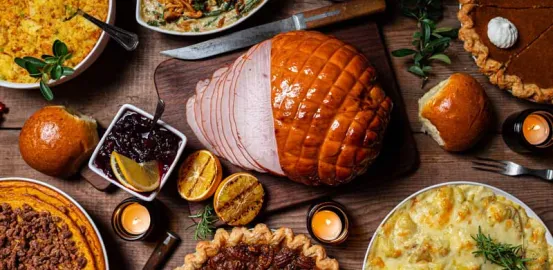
(129, 137)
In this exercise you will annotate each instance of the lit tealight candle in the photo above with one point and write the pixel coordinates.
(536, 129)
(135, 218)
(326, 225)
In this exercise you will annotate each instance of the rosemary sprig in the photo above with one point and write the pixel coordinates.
(50, 67)
(206, 226)
(505, 255)
(430, 42)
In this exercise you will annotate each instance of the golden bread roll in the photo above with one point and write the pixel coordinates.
(330, 113)
(456, 112)
(56, 140)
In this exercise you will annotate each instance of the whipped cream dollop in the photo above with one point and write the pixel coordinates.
(502, 32)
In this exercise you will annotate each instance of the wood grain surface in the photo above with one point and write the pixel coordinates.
(176, 81)
(120, 77)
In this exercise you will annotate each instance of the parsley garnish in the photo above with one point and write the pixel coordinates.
(50, 67)
(430, 42)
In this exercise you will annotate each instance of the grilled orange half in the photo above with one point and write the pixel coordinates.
(239, 199)
(199, 176)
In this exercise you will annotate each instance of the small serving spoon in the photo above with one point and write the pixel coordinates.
(127, 39)
(160, 107)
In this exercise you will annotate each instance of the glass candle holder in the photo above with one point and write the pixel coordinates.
(529, 131)
(134, 219)
(328, 223)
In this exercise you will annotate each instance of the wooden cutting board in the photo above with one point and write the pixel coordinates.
(176, 81)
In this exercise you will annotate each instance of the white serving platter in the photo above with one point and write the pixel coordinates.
(142, 22)
(497, 191)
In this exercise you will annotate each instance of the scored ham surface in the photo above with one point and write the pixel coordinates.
(302, 105)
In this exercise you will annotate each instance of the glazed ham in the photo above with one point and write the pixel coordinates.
(302, 105)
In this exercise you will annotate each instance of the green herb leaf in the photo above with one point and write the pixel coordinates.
(417, 71)
(20, 62)
(59, 48)
(505, 255)
(427, 69)
(403, 52)
(206, 226)
(46, 91)
(443, 29)
(34, 61)
(33, 70)
(44, 56)
(153, 23)
(56, 72)
(48, 68)
(51, 60)
(68, 71)
(441, 57)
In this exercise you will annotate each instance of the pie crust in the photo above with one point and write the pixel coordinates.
(496, 70)
(260, 235)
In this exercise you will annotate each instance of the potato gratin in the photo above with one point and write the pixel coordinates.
(30, 27)
(434, 231)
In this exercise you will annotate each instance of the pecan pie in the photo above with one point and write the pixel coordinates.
(42, 229)
(525, 68)
(259, 248)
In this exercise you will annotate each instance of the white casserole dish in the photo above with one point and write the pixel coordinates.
(83, 65)
(497, 191)
(141, 21)
(151, 195)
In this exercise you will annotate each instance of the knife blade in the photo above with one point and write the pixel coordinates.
(301, 21)
(235, 41)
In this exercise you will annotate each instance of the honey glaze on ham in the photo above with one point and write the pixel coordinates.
(302, 105)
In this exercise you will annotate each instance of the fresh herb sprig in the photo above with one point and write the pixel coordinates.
(50, 67)
(206, 226)
(505, 255)
(430, 42)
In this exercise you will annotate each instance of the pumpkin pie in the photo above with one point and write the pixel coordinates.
(258, 248)
(525, 68)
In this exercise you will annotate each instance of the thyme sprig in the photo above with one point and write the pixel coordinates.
(430, 42)
(505, 255)
(50, 67)
(206, 226)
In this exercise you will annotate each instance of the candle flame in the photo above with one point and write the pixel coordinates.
(136, 221)
(328, 221)
(536, 127)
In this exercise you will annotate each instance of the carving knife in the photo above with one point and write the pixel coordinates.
(301, 21)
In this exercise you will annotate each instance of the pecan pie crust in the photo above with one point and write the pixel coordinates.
(497, 68)
(260, 236)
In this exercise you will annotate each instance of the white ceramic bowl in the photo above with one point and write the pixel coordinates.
(83, 65)
(151, 195)
(177, 33)
(497, 191)
(72, 201)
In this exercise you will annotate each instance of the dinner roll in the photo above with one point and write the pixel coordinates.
(56, 140)
(456, 112)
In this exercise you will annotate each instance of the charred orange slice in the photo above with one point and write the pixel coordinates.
(238, 199)
(199, 176)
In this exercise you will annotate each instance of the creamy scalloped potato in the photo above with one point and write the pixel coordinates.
(434, 230)
(30, 27)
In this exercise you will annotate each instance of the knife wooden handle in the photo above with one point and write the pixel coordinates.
(341, 12)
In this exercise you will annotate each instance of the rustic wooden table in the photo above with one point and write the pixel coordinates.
(120, 77)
